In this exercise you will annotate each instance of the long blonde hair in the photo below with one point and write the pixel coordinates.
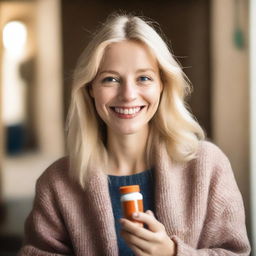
(172, 124)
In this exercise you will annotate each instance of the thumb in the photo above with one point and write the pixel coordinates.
(150, 213)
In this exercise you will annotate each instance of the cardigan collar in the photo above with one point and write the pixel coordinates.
(101, 203)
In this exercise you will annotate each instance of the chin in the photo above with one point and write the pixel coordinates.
(129, 130)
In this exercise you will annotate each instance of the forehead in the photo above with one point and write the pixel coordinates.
(128, 54)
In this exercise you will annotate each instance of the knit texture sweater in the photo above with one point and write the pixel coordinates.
(198, 203)
(146, 182)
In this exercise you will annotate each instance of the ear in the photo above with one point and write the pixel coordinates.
(161, 87)
(90, 90)
(161, 74)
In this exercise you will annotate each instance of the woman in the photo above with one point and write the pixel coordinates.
(128, 124)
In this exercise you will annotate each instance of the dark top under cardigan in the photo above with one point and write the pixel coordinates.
(146, 182)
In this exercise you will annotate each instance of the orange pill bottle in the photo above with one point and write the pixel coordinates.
(131, 200)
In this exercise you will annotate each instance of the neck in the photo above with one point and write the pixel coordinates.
(127, 153)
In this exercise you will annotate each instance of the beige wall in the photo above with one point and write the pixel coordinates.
(44, 44)
(252, 27)
(11, 11)
(49, 78)
(230, 90)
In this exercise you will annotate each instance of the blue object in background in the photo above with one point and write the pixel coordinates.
(15, 139)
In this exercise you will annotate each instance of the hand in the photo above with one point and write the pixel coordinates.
(151, 241)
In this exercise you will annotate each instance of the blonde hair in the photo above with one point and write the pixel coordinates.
(172, 124)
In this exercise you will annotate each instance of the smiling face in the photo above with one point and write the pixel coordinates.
(127, 87)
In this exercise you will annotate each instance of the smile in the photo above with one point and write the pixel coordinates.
(127, 112)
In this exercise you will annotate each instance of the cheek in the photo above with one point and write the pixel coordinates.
(101, 97)
(153, 95)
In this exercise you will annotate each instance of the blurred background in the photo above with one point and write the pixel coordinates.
(40, 41)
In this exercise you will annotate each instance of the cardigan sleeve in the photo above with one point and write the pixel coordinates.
(45, 233)
(224, 231)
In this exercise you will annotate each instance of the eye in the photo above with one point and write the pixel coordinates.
(144, 79)
(110, 79)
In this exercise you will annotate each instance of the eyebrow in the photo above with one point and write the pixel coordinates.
(137, 71)
(145, 69)
(108, 71)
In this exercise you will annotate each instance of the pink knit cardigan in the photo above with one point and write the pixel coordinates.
(199, 204)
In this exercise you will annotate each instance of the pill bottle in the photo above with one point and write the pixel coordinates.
(131, 200)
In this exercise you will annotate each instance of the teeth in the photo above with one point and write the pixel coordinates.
(126, 111)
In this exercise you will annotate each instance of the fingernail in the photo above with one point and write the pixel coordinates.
(135, 215)
(150, 212)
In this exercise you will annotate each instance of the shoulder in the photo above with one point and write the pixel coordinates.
(210, 153)
(58, 168)
(56, 185)
(57, 172)
(209, 147)
(213, 166)
(211, 163)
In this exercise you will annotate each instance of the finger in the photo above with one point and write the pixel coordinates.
(137, 251)
(134, 240)
(150, 213)
(136, 230)
(153, 224)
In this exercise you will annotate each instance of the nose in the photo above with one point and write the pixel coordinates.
(128, 91)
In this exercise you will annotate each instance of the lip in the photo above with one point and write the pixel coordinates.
(127, 116)
(126, 107)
